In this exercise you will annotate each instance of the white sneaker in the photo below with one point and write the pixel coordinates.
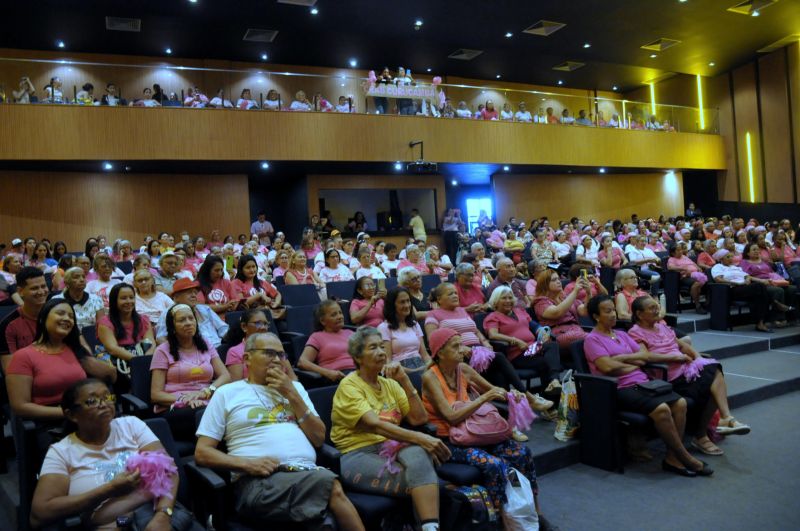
(518, 435)
(538, 403)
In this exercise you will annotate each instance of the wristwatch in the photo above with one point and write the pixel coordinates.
(167, 511)
(212, 388)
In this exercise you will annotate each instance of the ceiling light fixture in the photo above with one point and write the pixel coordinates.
(314, 11)
(265, 165)
(168, 51)
(192, 1)
(755, 13)
(108, 166)
(615, 88)
(602, 170)
(429, 69)
(653, 55)
(682, 1)
(587, 45)
(263, 57)
(560, 82)
(418, 23)
(509, 35)
(398, 166)
(506, 168)
(497, 76)
(712, 63)
(60, 44)
(353, 63)
(454, 182)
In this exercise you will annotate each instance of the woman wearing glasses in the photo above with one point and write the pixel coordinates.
(411, 279)
(85, 473)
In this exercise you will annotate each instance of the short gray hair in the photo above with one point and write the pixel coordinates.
(250, 344)
(465, 268)
(355, 345)
(497, 293)
(620, 276)
(403, 274)
(475, 246)
(412, 247)
(707, 244)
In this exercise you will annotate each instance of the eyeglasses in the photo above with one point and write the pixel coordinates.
(269, 352)
(259, 324)
(94, 401)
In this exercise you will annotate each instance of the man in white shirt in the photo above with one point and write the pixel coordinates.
(743, 287)
(270, 428)
(646, 259)
(523, 114)
(263, 228)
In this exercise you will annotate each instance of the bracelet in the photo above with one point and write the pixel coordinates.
(304, 417)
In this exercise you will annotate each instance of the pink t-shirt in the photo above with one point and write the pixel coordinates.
(510, 326)
(469, 296)
(761, 270)
(788, 254)
(332, 349)
(128, 339)
(374, 316)
(458, 320)
(235, 356)
(540, 304)
(244, 289)
(705, 259)
(598, 345)
(661, 340)
(192, 371)
(616, 257)
(420, 266)
(221, 292)
(405, 344)
(530, 288)
(684, 262)
(52, 373)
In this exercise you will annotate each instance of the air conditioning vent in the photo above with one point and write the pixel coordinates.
(465, 54)
(544, 28)
(569, 66)
(124, 24)
(749, 6)
(306, 3)
(659, 45)
(260, 35)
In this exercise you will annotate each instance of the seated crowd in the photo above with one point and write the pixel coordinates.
(400, 354)
(441, 107)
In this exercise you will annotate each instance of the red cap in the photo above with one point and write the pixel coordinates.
(182, 284)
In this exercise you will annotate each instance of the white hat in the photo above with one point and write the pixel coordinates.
(15, 242)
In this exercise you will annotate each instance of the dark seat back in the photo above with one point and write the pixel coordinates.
(89, 333)
(299, 295)
(140, 377)
(578, 357)
(341, 290)
(322, 398)
(125, 266)
(429, 282)
(300, 319)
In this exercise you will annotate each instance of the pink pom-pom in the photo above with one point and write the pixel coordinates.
(389, 451)
(156, 470)
(371, 77)
(694, 369)
(520, 414)
(437, 80)
(481, 358)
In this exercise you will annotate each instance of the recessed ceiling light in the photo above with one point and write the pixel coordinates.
(108, 166)
(60, 44)
(712, 63)
(587, 45)
(192, 1)
(168, 51)
(682, 1)
(398, 166)
(429, 69)
(314, 11)
(454, 182)
(615, 87)
(602, 170)
(560, 82)
(264, 57)
(497, 76)
(755, 13)
(418, 22)
(353, 63)
(265, 165)
(653, 55)
(506, 168)
(509, 35)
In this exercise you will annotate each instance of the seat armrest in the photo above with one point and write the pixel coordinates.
(330, 458)
(658, 368)
(132, 404)
(206, 476)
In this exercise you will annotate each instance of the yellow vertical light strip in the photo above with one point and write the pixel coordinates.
(624, 121)
(653, 98)
(750, 168)
(700, 102)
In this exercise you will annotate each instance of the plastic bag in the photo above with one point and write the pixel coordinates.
(567, 424)
(519, 512)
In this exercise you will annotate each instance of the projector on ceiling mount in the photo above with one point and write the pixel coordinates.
(421, 167)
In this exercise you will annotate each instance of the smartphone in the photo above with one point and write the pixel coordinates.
(381, 284)
(228, 262)
(585, 274)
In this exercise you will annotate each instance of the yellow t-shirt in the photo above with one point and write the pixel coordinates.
(353, 399)
(418, 227)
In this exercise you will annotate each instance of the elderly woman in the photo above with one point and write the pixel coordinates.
(500, 371)
(72, 480)
(470, 294)
(450, 380)
(334, 270)
(705, 259)
(541, 249)
(300, 273)
(614, 353)
(627, 285)
(366, 307)
(185, 372)
(708, 390)
(411, 279)
(367, 411)
(743, 287)
(38, 374)
(149, 301)
(142, 261)
(282, 259)
(438, 263)
(779, 290)
(414, 259)
(11, 266)
(402, 335)
(326, 349)
(648, 262)
(535, 268)
(511, 324)
(690, 273)
(88, 308)
(122, 252)
(558, 310)
(101, 286)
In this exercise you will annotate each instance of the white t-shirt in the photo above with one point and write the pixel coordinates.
(102, 289)
(246, 104)
(216, 101)
(300, 106)
(562, 249)
(374, 272)
(89, 467)
(636, 255)
(149, 103)
(345, 108)
(271, 104)
(731, 273)
(153, 307)
(255, 421)
(340, 274)
(507, 116)
(388, 265)
(523, 116)
(463, 113)
(86, 313)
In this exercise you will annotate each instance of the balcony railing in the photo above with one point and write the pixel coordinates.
(30, 80)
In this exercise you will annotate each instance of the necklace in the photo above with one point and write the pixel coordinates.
(276, 397)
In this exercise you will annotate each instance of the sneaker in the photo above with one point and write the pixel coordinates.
(518, 435)
(538, 403)
(553, 387)
(731, 426)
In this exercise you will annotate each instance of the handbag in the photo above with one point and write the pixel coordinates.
(655, 387)
(484, 427)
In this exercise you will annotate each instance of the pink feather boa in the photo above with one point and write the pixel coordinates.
(520, 414)
(694, 369)
(156, 470)
(389, 451)
(481, 358)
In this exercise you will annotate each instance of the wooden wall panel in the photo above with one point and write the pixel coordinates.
(594, 196)
(74, 206)
(776, 124)
(719, 98)
(745, 101)
(53, 132)
(793, 62)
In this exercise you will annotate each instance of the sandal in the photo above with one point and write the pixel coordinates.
(707, 447)
(731, 426)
